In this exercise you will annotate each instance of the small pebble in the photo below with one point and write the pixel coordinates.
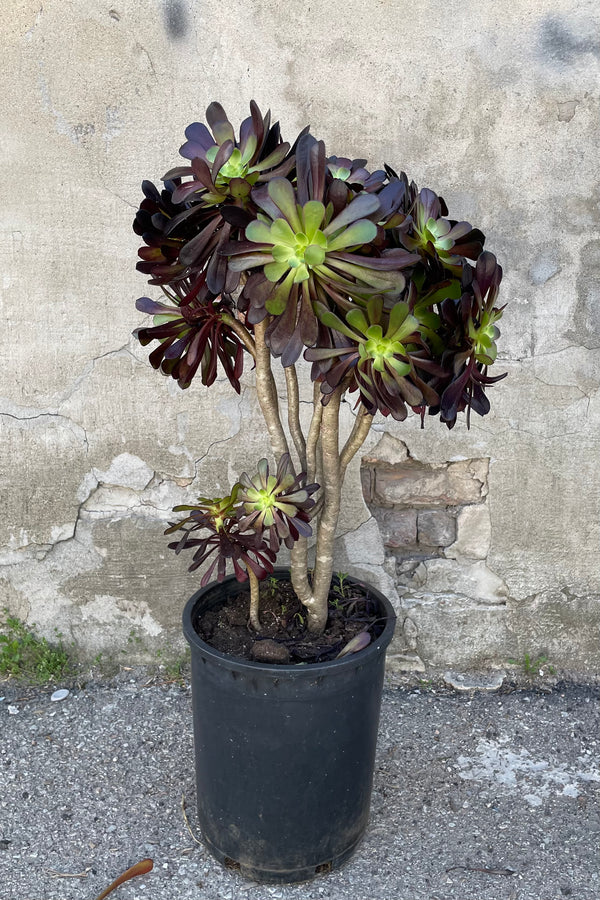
(13, 710)
(270, 651)
(59, 695)
(486, 682)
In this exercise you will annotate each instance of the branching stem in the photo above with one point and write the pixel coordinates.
(267, 391)
(293, 394)
(242, 332)
(299, 553)
(356, 438)
(313, 436)
(316, 604)
(254, 599)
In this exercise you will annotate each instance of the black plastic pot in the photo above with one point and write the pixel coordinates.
(284, 753)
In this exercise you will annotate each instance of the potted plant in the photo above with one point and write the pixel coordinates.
(269, 251)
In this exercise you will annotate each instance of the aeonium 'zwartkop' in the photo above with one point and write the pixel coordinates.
(190, 223)
(471, 332)
(248, 553)
(308, 252)
(272, 248)
(193, 334)
(437, 237)
(224, 168)
(376, 358)
(277, 505)
(249, 525)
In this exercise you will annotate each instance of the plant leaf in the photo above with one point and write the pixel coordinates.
(358, 642)
(140, 868)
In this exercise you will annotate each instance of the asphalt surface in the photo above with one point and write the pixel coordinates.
(477, 796)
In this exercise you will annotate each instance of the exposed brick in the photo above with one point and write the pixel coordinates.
(366, 478)
(398, 527)
(415, 484)
(436, 528)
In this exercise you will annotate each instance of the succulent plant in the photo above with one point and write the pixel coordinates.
(193, 334)
(307, 253)
(247, 552)
(432, 235)
(276, 249)
(472, 333)
(224, 169)
(277, 505)
(376, 358)
(187, 225)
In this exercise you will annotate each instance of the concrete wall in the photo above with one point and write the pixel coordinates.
(494, 104)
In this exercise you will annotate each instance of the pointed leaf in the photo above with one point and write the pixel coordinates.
(275, 270)
(283, 195)
(223, 154)
(152, 308)
(361, 232)
(259, 232)
(278, 299)
(273, 159)
(359, 642)
(281, 233)
(312, 215)
(357, 319)
(362, 206)
(218, 121)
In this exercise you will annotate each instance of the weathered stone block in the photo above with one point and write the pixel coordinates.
(475, 580)
(473, 533)
(389, 450)
(458, 634)
(436, 528)
(415, 484)
(398, 527)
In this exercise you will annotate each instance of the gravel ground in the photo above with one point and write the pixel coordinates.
(478, 796)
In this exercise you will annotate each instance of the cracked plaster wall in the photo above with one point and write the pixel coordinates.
(95, 447)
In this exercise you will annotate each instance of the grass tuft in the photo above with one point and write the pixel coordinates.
(29, 658)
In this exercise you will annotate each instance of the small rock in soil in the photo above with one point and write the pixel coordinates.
(270, 652)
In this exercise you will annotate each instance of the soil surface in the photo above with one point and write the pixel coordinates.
(284, 637)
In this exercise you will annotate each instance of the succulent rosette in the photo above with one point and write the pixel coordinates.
(353, 173)
(225, 168)
(277, 506)
(436, 237)
(470, 333)
(193, 334)
(224, 541)
(159, 258)
(205, 203)
(376, 351)
(306, 253)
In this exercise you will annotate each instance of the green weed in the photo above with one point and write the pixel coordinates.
(175, 670)
(25, 656)
(534, 665)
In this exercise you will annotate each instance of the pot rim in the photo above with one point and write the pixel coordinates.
(236, 663)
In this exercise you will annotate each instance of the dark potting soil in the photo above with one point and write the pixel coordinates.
(284, 637)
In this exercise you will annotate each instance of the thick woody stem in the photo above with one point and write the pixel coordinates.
(242, 332)
(267, 391)
(299, 553)
(299, 570)
(316, 605)
(313, 436)
(254, 599)
(291, 383)
(356, 438)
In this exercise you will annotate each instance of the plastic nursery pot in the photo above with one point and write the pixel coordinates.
(284, 753)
